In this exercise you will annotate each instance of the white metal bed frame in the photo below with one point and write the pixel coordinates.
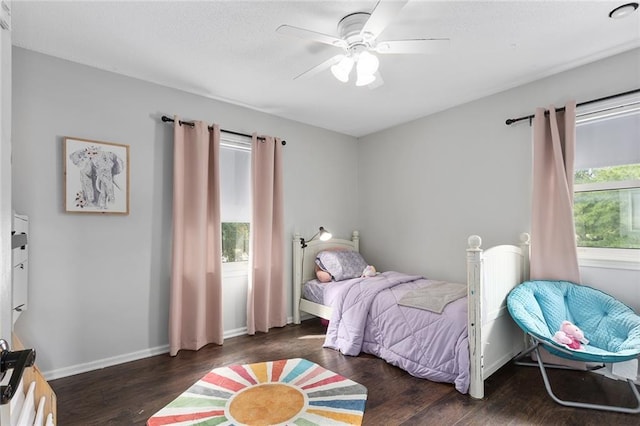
(494, 339)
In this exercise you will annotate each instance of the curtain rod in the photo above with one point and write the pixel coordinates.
(187, 123)
(510, 121)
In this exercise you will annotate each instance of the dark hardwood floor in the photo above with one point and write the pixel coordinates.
(128, 394)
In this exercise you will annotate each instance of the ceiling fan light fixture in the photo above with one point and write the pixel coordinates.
(342, 69)
(357, 36)
(367, 63)
(365, 79)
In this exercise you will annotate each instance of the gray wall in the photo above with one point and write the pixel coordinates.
(98, 284)
(463, 172)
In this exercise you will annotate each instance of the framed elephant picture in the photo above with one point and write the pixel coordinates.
(96, 176)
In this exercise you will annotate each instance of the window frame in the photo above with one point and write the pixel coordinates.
(240, 143)
(235, 269)
(605, 257)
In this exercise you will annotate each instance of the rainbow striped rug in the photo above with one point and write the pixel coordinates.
(286, 392)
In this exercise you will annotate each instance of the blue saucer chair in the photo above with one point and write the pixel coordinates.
(612, 328)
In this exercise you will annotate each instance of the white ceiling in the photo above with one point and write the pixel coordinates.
(229, 50)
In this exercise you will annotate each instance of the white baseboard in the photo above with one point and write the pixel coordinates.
(236, 332)
(306, 316)
(607, 372)
(121, 359)
(105, 362)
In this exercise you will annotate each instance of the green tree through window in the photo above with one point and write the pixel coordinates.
(235, 242)
(607, 218)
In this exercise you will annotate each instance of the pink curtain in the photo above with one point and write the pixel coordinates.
(266, 298)
(195, 317)
(553, 241)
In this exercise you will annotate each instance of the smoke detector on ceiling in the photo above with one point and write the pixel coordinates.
(623, 11)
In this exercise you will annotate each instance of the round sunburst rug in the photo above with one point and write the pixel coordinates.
(285, 392)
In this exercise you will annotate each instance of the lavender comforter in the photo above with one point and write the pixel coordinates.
(366, 318)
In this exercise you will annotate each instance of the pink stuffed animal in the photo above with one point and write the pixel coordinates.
(570, 335)
(369, 271)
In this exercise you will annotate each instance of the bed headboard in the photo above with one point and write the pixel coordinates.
(304, 258)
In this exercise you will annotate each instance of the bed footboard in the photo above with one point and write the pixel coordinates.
(494, 338)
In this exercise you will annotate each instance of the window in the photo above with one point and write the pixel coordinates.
(607, 178)
(607, 207)
(235, 197)
(235, 241)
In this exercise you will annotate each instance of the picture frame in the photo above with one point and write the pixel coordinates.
(96, 176)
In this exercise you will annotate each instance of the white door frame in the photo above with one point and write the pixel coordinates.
(6, 322)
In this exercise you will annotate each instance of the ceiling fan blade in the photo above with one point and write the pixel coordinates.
(381, 16)
(319, 68)
(423, 45)
(311, 35)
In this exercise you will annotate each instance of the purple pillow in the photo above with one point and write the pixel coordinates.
(342, 265)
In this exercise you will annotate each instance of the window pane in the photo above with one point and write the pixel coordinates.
(610, 141)
(235, 198)
(635, 211)
(235, 242)
(608, 219)
(608, 174)
(235, 181)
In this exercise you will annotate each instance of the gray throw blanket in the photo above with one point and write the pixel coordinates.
(434, 297)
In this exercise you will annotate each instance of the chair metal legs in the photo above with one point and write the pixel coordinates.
(547, 385)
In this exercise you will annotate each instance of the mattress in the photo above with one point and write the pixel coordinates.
(314, 291)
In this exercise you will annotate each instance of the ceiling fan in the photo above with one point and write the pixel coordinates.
(357, 37)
